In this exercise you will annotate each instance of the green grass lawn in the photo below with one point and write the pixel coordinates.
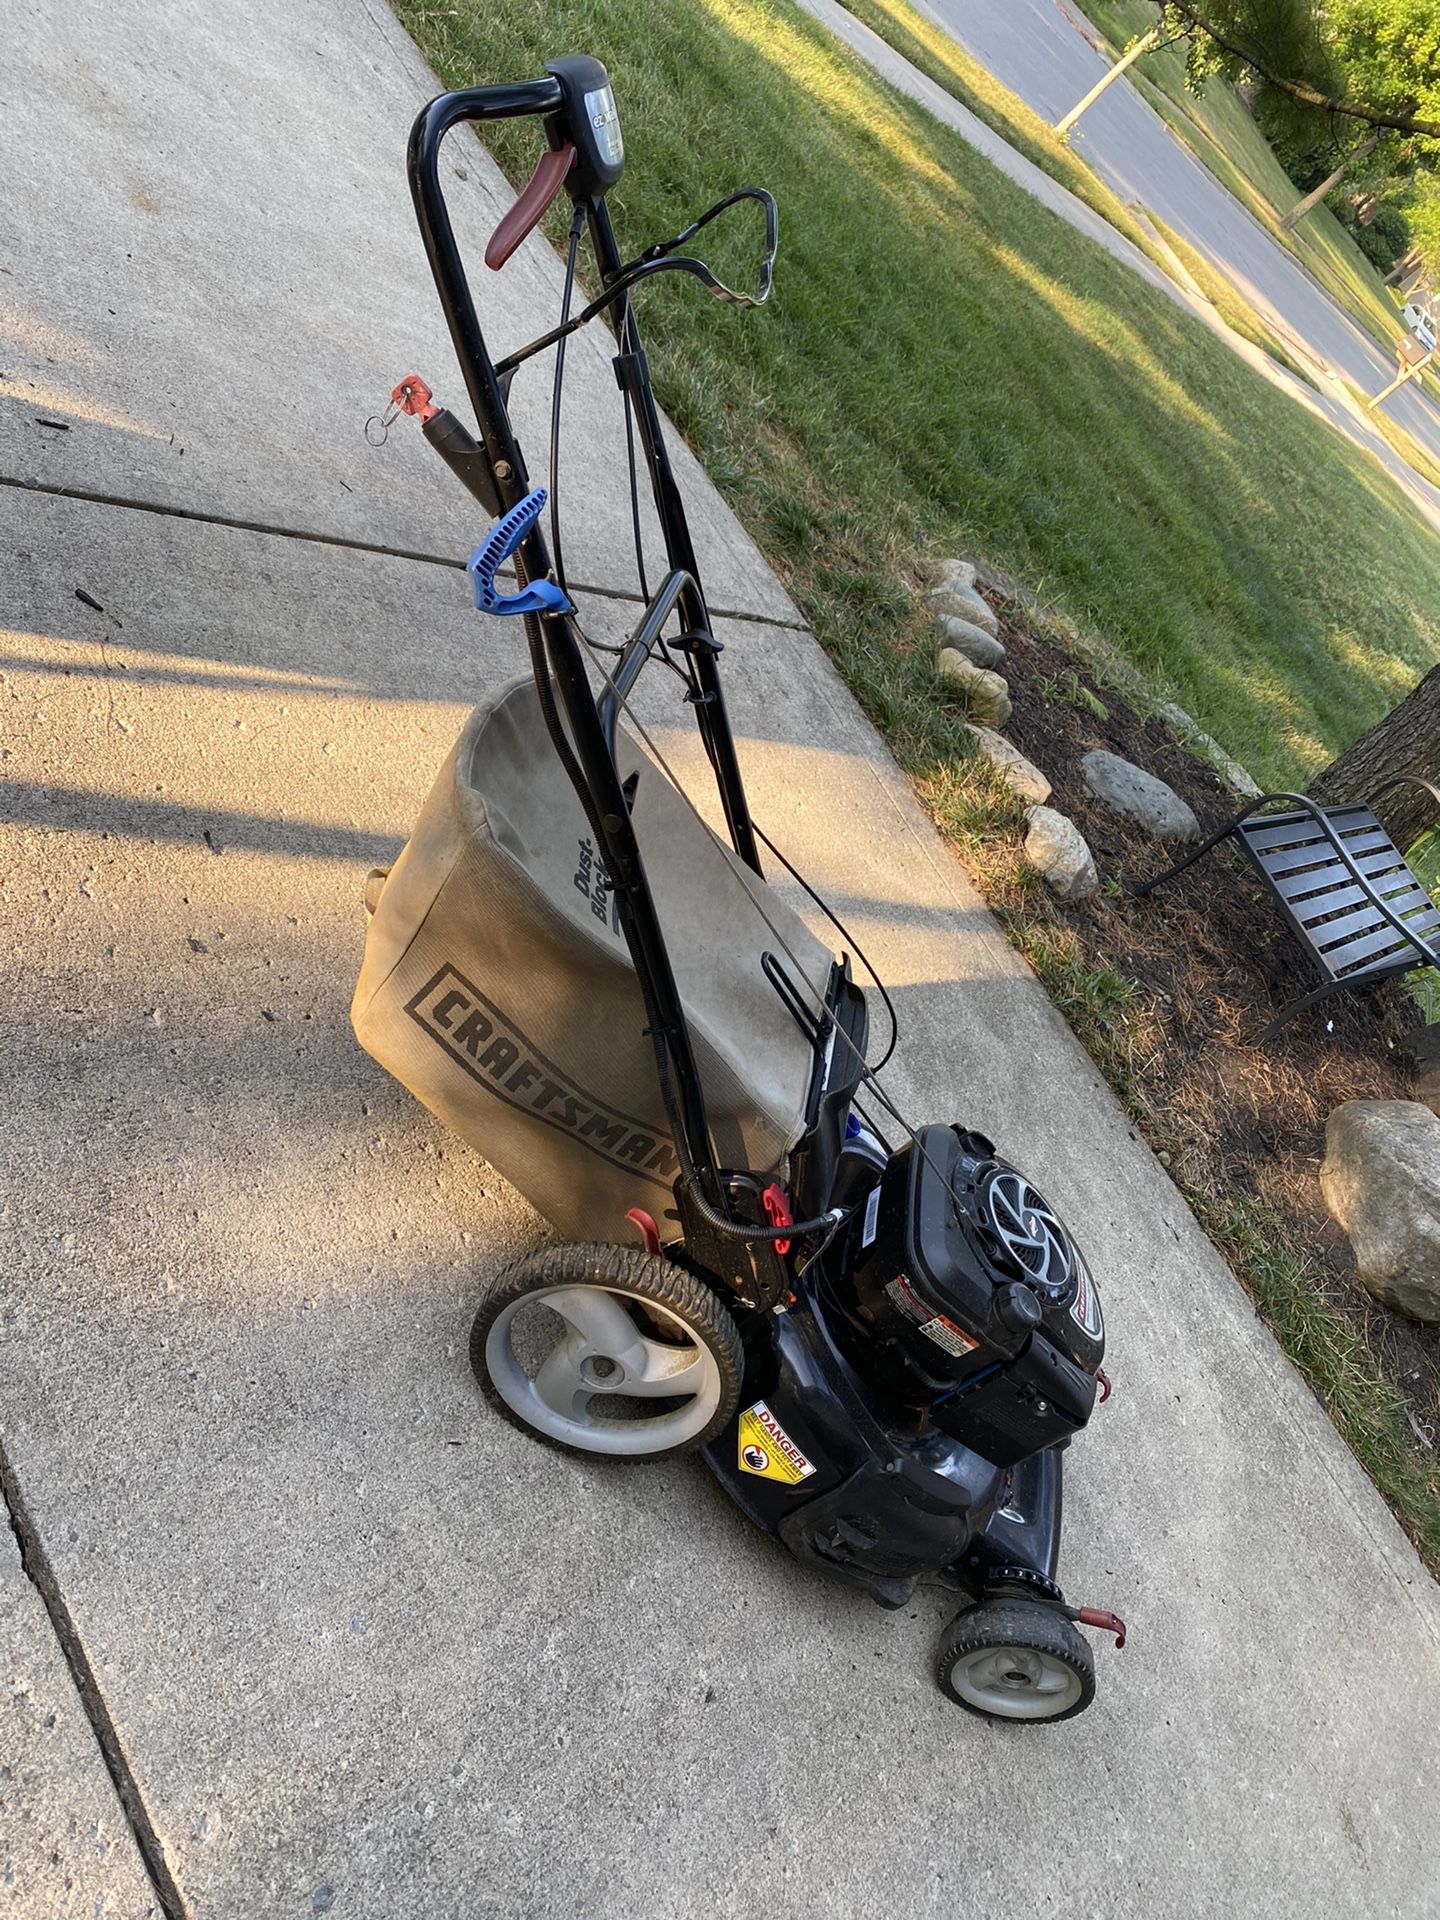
(1213, 129)
(944, 363)
(933, 51)
(1224, 138)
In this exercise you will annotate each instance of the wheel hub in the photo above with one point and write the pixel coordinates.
(597, 1377)
(1014, 1682)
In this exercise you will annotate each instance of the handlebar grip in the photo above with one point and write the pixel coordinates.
(511, 101)
(530, 208)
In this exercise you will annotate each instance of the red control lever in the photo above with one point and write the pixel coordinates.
(644, 1225)
(529, 210)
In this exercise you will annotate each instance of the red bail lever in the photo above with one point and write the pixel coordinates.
(530, 206)
(645, 1226)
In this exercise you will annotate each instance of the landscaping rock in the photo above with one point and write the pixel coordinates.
(1022, 775)
(965, 604)
(967, 638)
(1056, 848)
(1194, 735)
(1421, 1046)
(986, 696)
(995, 580)
(959, 574)
(1129, 790)
(1381, 1181)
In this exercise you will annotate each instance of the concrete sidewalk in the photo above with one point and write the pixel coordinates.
(352, 1645)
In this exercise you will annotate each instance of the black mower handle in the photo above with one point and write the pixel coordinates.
(577, 105)
(586, 152)
(512, 100)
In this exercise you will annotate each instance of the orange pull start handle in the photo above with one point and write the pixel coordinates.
(530, 208)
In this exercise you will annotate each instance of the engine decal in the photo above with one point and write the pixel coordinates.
(1085, 1307)
(767, 1451)
(946, 1334)
(934, 1326)
(905, 1298)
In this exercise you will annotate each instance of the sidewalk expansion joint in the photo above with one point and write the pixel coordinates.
(304, 535)
(41, 1575)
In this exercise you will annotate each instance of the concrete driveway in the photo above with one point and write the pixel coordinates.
(299, 1628)
(1037, 48)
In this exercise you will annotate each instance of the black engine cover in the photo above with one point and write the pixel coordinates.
(979, 1303)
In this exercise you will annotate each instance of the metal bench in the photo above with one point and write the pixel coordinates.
(1341, 884)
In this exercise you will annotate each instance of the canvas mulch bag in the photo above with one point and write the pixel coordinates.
(497, 985)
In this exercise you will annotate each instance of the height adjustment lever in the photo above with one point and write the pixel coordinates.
(537, 596)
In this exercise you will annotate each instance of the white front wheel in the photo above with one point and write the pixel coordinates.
(607, 1350)
(1017, 1660)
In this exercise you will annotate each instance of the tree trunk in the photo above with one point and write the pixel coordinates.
(1316, 194)
(1407, 740)
(1403, 267)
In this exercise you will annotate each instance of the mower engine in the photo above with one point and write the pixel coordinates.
(918, 1395)
(974, 1303)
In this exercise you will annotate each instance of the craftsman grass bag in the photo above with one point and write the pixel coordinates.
(497, 985)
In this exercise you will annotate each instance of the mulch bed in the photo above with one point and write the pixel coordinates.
(1212, 966)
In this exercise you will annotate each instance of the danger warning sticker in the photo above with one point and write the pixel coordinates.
(767, 1451)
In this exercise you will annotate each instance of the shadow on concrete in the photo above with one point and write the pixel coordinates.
(70, 809)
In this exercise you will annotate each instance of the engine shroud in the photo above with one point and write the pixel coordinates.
(977, 1303)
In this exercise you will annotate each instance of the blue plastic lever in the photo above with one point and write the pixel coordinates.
(539, 596)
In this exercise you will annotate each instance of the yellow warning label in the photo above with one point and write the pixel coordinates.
(767, 1451)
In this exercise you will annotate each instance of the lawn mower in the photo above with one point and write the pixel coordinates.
(879, 1336)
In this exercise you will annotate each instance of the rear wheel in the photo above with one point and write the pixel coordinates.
(607, 1350)
(1015, 1660)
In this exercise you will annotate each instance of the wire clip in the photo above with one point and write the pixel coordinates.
(537, 596)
